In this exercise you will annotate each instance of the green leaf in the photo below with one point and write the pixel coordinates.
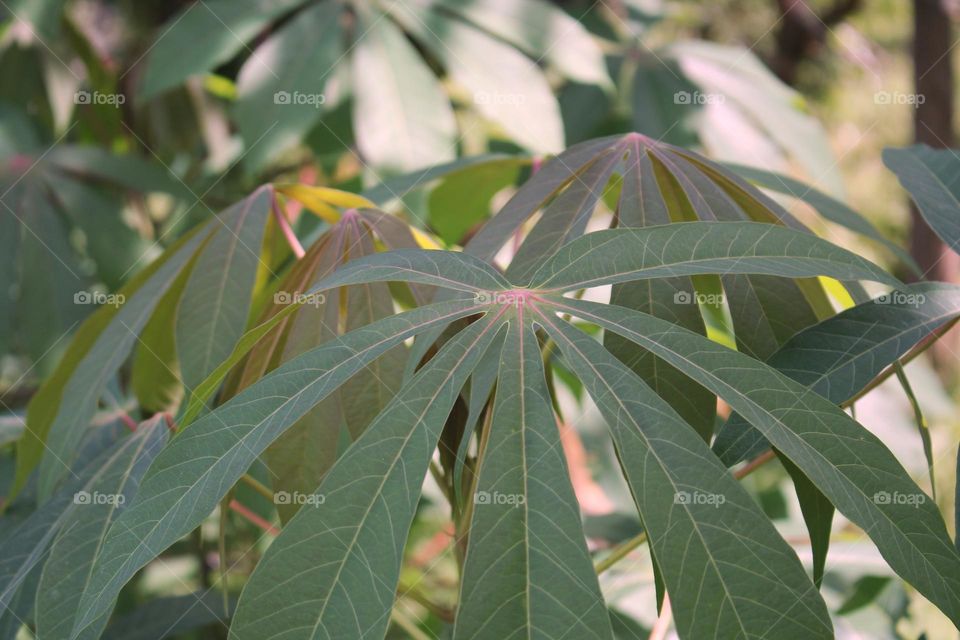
(216, 300)
(305, 452)
(64, 405)
(690, 248)
(727, 570)
(751, 116)
(204, 35)
(642, 204)
(340, 560)
(505, 86)
(83, 526)
(204, 461)
(931, 177)
(463, 200)
(830, 208)
(107, 473)
(846, 462)
(526, 571)
(281, 88)
(396, 188)
(544, 31)
(540, 188)
(402, 117)
(864, 340)
(566, 217)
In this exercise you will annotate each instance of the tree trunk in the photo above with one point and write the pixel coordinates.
(933, 125)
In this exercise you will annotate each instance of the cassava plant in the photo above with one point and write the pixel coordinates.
(334, 378)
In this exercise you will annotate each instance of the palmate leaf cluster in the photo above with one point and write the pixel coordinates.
(351, 370)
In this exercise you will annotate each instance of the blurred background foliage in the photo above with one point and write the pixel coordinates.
(123, 124)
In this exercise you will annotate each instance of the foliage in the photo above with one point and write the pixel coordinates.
(297, 358)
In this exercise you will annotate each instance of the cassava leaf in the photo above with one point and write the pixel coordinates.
(931, 178)
(643, 204)
(527, 572)
(204, 35)
(281, 86)
(106, 473)
(864, 340)
(82, 528)
(353, 538)
(59, 412)
(728, 572)
(197, 469)
(402, 118)
(216, 299)
(620, 255)
(846, 462)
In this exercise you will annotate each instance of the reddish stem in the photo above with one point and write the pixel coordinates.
(286, 229)
(253, 518)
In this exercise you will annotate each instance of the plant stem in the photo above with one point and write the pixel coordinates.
(286, 229)
(623, 549)
(257, 486)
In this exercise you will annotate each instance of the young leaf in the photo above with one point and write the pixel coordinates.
(216, 300)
